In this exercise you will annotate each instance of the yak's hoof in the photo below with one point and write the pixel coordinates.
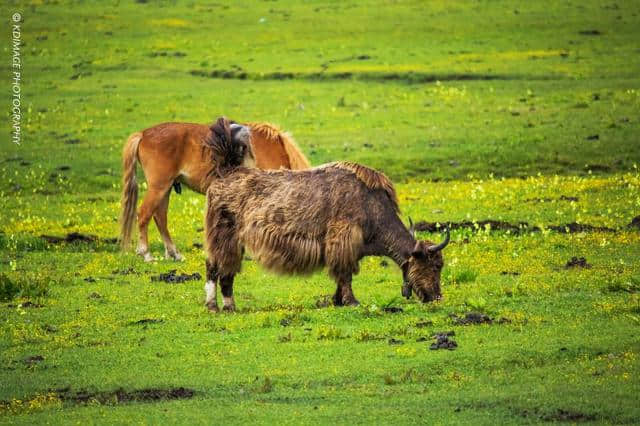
(353, 302)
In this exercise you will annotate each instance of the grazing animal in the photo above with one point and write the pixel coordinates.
(295, 222)
(174, 153)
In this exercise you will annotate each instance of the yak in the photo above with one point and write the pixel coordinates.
(295, 222)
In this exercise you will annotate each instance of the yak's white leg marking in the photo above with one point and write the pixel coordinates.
(210, 291)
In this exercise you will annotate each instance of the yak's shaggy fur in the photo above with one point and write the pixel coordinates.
(295, 222)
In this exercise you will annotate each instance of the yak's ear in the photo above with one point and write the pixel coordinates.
(417, 251)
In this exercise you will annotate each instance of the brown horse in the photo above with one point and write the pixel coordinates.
(175, 153)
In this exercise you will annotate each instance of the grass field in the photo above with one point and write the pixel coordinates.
(518, 123)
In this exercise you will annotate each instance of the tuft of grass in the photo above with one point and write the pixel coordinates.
(30, 285)
(460, 275)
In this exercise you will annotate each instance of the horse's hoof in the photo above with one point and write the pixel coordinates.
(174, 256)
(229, 308)
(213, 308)
(148, 257)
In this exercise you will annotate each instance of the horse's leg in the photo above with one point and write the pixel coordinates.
(226, 285)
(160, 217)
(147, 209)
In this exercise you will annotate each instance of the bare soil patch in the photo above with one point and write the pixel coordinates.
(121, 396)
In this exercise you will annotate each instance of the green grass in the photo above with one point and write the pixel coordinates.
(476, 110)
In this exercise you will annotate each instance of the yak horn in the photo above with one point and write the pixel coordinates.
(412, 229)
(442, 244)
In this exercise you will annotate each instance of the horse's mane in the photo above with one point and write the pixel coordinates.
(272, 133)
(224, 151)
(371, 178)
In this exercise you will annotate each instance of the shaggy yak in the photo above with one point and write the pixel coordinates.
(175, 153)
(295, 222)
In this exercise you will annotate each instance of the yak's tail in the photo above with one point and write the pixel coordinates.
(129, 189)
(297, 160)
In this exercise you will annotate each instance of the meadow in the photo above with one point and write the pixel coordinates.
(515, 123)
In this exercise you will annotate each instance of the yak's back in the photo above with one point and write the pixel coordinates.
(373, 179)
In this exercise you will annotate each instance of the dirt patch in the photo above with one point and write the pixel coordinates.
(34, 359)
(443, 341)
(515, 228)
(11, 159)
(577, 262)
(406, 77)
(392, 310)
(471, 318)
(163, 53)
(597, 167)
(121, 396)
(548, 200)
(70, 238)
(324, 301)
(126, 271)
(172, 277)
(635, 223)
(569, 416)
(590, 32)
(77, 237)
(512, 273)
(560, 415)
(393, 341)
(146, 321)
(573, 227)
(30, 305)
(423, 324)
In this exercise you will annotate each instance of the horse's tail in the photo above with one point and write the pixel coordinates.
(129, 188)
(297, 160)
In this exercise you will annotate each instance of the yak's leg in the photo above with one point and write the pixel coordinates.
(226, 285)
(211, 300)
(147, 209)
(160, 217)
(344, 293)
(342, 253)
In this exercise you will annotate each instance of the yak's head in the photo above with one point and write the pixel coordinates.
(422, 270)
